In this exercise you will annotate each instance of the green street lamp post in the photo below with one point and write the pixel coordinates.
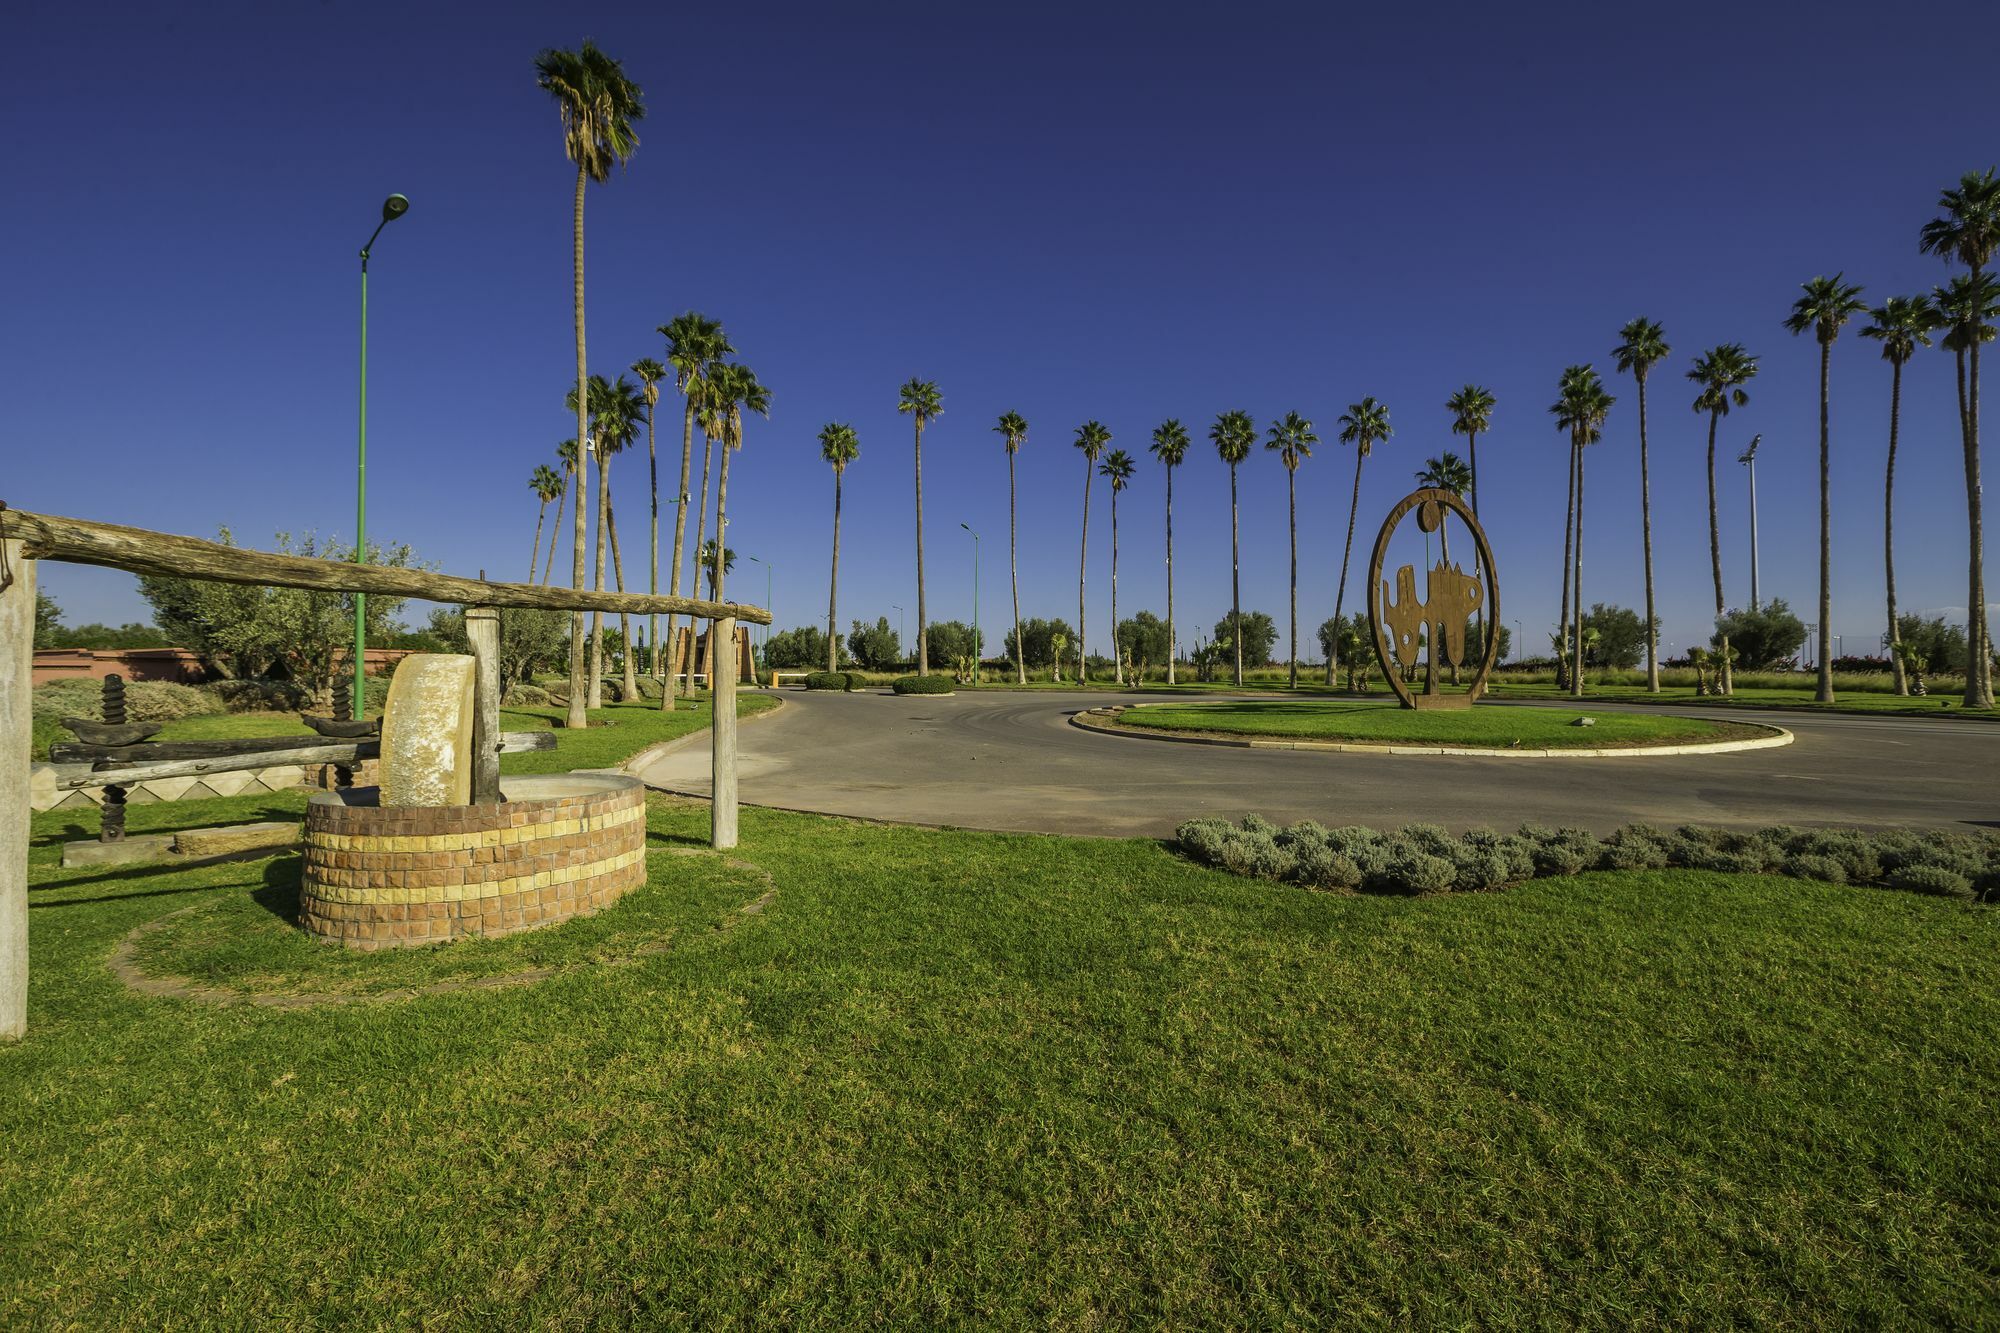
(978, 645)
(766, 633)
(392, 208)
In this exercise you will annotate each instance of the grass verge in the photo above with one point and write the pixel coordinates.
(1387, 723)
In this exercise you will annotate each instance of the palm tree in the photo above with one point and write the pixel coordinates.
(1448, 473)
(1013, 429)
(1581, 410)
(1901, 324)
(1361, 425)
(839, 446)
(1642, 345)
(694, 343)
(1117, 468)
(705, 564)
(650, 373)
(1828, 303)
(547, 484)
(1091, 437)
(1471, 416)
(1721, 371)
(1967, 306)
(920, 398)
(599, 106)
(1233, 434)
(1170, 446)
(733, 388)
(614, 411)
(1968, 230)
(1292, 437)
(566, 451)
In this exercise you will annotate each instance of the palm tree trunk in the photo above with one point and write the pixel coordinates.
(535, 551)
(1235, 586)
(555, 538)
(680, 539)
(717, 650)
(630, 683)
(1117, 657)
(1646, 530)
(1889, 527)
(1082, 564)
(1292, 503)
(1978, 632)
(653, 577)
(701, 540)
(1340, 592)
(578, 689)
(1014, 575)
(1724, 681)
(1825, 692)
(1472, 448)
(923, 646)
(1576, 616)
(833, 583)
(1569, 554)
(1172, 643)
(597, 617)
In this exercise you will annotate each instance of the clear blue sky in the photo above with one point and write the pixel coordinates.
(1123, 213)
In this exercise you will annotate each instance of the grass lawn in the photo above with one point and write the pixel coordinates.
(1938, 705)
(1015, 1081)
(1386, 723)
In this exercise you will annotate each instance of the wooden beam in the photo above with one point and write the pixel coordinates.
(17, 665)
(324, 752)
(722, 742)
(82, 542)
(482, 631)
(147, 752)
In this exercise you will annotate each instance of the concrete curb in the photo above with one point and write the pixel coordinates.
(660, 749)
(1104, 721)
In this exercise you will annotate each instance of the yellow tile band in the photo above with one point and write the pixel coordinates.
(451, 893)
(460, 842)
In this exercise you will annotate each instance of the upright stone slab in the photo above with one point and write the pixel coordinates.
(427, 731)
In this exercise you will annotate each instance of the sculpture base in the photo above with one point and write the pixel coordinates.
(1429, 701)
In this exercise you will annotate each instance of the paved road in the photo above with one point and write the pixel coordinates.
(1010, 760)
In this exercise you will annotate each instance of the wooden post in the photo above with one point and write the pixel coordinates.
(482, 631)
(722, 745)
(17, 666)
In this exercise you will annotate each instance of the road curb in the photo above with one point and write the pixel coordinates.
(1104, 721)
(661, 749)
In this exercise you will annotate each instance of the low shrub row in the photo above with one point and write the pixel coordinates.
(145, 700)
(922, 685)
(834, 680)
(1424, 858)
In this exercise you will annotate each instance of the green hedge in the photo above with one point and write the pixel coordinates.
(830, 680)
(922, 685)
(1423, 858)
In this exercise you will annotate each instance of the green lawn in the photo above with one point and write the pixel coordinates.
(1938, 705)
(956, 1077)
(1387, 723)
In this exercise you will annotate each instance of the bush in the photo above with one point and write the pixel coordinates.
(1809, 865)
(522, 694)
(145, 700)
(262, 696)
(1931, 879)
(921, 685)
(831, 680)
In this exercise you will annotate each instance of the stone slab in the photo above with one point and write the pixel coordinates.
(139, 847)
(236, 838)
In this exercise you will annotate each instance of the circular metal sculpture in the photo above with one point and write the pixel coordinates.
(1403, 625)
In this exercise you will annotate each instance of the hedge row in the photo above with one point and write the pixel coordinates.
(1423, 858)
(922, 685)
(833, 680)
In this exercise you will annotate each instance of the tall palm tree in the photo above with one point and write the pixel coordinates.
(920, 398)
(1117, 469)
(1362, 425)
(1292, 438)
(614, 412)
(1091, 437)
(1827, 305)
(735, 389)
(694, 343)
(566, 451)
(1170, 446)
(650, 373)
(1721, 371)
(599, 106)
(1233, 434)
(705, 564)
(1013, 429)
(1968, 306)
(1471, 416)
(839, 446)
(1581, 410)
(1901, 324)
(1642, 345)
(1968, 230)
(547, 484)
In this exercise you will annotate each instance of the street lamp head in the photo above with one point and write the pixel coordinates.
(1750, 455)
(394, 207)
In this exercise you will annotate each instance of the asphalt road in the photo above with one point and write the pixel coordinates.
(1010, 760)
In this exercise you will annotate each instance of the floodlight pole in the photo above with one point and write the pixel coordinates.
(392, 208)
(978, 647)
(1749, 459)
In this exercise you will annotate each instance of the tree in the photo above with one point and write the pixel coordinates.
(1942, 645)
(712, 416)
(1362, 425)
(920, 398)
(1292, 439)
(838, 446)
(650, 373)
(1447, 473)
(1170, 446)
(1117, 469)
(614, 410)
(599, 106)
(1471, 411)
(1013, 429)
(566, 454)
(953, 639)
(1761, 637)
(48, 620)
(1642, 345)
(1254, 642)
(694, 343)
(1968, 230)
(802, 648)
(706, 563)
(1580, 409)
(1091, 437)
(876, 646)
(529, 639)
(1034, 644)
(1901, 324)
(547, 484)
(1827, 305)
(1621, 637)
(1232, 434)
(735, 388)
(1143, 640)
(1348, 639)
(1721, 372)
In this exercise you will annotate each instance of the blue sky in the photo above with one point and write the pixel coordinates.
(1114, 212)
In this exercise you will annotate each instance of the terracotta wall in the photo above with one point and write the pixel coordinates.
(173, 664)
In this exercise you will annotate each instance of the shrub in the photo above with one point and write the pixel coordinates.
(1320, 867)
(523, 694)
(1811, 865)
(830, 680)
(1203, 838)
(1931, 879)
(1564, 851)
(145, 700)
(1635, 847)
(262, 696)
(921, 685)
(1409, 869)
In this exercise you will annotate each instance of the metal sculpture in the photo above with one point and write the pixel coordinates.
(1409, 631)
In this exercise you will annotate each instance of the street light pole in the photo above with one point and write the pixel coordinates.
(1749, 458)
(899, 626)
(392, 208)
(766, 639)
(978, 646)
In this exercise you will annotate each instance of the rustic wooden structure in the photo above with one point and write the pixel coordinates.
(1444, 624)
(26, 538)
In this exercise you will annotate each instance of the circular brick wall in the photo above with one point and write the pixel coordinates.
(386, 877)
